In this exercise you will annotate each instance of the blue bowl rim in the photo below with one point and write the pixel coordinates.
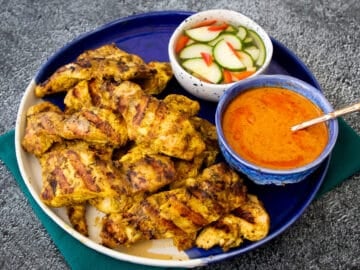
(275, 80)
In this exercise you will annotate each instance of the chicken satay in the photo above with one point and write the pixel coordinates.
(43, 122)
(75, 172)
(151, 122)
(182, 104)
(47, 124)
(147, 171)
(191, 168)
(86, 94)
(125, 67)
(110, 51)
(249, 221)
(95, 125)
(180, 213)
(155, 84)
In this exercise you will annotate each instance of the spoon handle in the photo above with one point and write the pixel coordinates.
(328, 116)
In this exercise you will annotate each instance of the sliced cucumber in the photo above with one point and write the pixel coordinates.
(246, 59)
(231, 29)
(253, 51)
(258, 42)
(248, 41)
(211, 73)
(242, 32)
(233, 39)
(202, 34)
(226, 57)
(194, 50)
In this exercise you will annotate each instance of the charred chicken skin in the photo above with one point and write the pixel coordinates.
(118, 67)
(75, 172)
(178, 213)
(249, 221)
(151, 122)
(47, 124)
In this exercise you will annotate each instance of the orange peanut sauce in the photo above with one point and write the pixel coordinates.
(257, 125)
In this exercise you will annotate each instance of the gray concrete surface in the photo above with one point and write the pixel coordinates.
(323, 33)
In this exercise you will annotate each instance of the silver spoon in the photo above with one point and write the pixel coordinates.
(326, 117)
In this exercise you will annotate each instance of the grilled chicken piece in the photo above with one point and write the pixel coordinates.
(152, 123)
(156, 84)
(178, 213)
(190, 169)
(95, 125)
(249, 221)
(47, 124)
(77, 217)
(78, 97)
(142, 222)
(86, 94)
(117, 204)
(182, 104)
(75, 172)
(109, 51)
(121, 68)
(208, 133)
(43, 122)
(147, 171)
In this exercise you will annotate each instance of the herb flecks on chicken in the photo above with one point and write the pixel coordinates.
(47, 124)
(43, 122)
(151, 122)
(74, 172)
(107, 62)
(249, 221)
(178, 213)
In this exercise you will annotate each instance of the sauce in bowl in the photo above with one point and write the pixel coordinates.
(257, 125)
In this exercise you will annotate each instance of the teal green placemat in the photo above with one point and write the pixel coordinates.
(345, 162)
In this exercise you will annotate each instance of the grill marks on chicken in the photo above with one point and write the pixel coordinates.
(126, 67)
(147, 171)
(151, 122)
(42, 124)
(250, 221)
(178, 213)
(96, 125)
(107, 63)
(156, 84)
(47, 124)
(73, 173)
(147, 163)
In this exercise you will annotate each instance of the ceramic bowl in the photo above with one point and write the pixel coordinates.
(205, 90)
(261, 175)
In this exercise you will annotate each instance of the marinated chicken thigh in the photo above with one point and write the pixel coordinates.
(178, 213)
(43, 123)
(250, 221)
(75, 172)
(151, 122)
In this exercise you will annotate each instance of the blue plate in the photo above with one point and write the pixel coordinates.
(147, 35)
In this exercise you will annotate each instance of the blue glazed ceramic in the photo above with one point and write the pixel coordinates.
(262, 175)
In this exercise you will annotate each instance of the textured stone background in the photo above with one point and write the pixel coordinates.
(324, 34)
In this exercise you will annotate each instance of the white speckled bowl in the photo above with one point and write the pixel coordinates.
(201, 89)
(261, 175)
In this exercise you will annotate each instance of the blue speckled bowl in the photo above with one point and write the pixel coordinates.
(264, 175)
